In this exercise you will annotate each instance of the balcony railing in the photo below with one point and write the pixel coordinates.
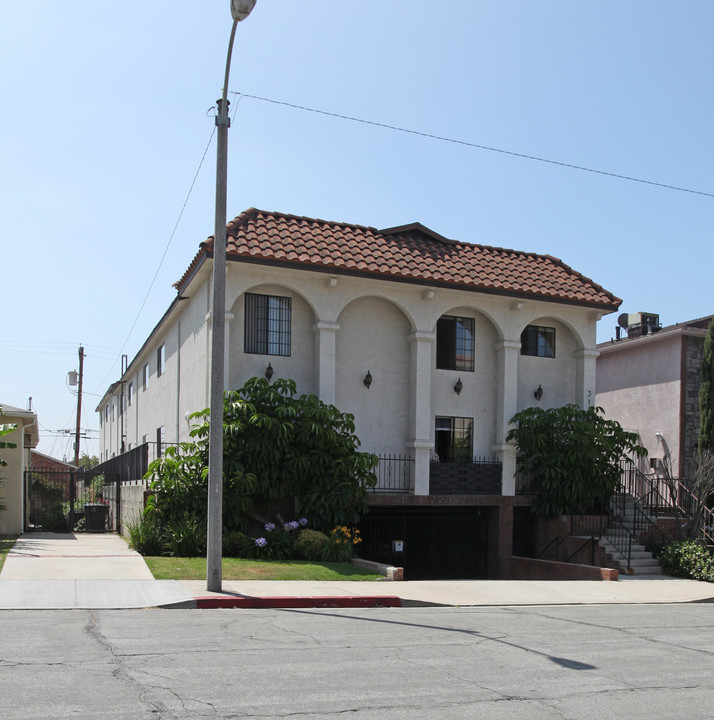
(395, 474)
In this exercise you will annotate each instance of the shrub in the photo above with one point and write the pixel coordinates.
(571, 456)
(54, 520)
(234, 543)
(688, 559)
(145, 535)
(185, 536)
(310, 544)
(274, 545)
(340, 544)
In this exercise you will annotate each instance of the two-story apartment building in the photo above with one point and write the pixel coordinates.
(432, 344)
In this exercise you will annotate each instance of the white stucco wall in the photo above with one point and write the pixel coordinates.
(299, 366)
(373, 336)
(477, 399)
(343, 326)
(556, 375)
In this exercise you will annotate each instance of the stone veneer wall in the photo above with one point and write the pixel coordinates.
(694, 357)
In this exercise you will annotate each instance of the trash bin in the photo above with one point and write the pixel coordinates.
(95, 517)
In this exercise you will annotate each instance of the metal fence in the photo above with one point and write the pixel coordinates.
(395, 474)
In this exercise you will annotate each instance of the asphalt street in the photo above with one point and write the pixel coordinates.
(595, 661)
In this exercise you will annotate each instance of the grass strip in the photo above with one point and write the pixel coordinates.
(194, 568)
(5, 544)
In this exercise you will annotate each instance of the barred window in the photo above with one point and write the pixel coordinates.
(538, 341)
(267, 324)
(455, 343)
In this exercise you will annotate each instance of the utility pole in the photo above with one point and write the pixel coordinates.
(79, 407)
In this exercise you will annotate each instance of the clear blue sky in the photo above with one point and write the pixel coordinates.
(106, 116)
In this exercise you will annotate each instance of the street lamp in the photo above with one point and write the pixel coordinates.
(240, 9)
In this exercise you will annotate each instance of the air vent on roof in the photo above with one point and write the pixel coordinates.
(638, 324)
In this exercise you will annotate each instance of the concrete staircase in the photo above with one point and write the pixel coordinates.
(641, 560)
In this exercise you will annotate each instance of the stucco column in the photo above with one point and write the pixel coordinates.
(420, 395)
(326, 354)
(585, 376)
(506, 407)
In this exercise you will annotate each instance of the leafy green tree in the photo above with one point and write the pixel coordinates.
(706, 394)
(277, 446)
(572, 457)
(88, 461)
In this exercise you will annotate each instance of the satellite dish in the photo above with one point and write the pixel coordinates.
(622, 321)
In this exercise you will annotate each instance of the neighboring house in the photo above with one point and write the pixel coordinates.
(649, 382)
(40, 461)
(25, 437)
(432, 344)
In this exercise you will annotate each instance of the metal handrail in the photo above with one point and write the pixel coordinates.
(623, 548)
(593, 540)
(559, 540)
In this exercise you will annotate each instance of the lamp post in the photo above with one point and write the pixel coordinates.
(240, 9)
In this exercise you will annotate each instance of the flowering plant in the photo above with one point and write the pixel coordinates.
(340, 544)
(280, 543)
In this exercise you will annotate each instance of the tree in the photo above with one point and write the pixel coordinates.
(706, 394)
(277, 446)
(572, 457)
(88, 461)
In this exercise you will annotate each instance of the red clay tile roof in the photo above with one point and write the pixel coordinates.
(411, 253)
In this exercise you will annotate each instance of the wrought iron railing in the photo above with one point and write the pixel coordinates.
(131, 465)
(395, 474)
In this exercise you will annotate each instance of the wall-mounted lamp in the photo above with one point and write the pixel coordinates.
(367, 379)
(269, 372)
(538, 394)
(458, 386)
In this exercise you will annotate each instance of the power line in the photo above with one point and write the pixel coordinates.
(441, 138)
(161, 261)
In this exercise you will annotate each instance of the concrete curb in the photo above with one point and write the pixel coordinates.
(229, 602)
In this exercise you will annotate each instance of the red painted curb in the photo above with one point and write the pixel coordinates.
(298, 602)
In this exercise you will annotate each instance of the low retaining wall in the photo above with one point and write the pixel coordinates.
(133, 499)
(530, 569)
(389, 572)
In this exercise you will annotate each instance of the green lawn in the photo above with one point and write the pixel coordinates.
(169, 568)
(5, 544)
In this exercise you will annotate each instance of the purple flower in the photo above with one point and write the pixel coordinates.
(261, 542)
(269, 527)
(292, 525)
(303, 522)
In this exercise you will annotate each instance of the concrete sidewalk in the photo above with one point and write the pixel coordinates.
(45, 571)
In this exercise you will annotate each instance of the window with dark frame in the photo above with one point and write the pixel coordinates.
(145, 376)
(453, 439)
(538, 341)
(161, 360)
(455, 343)
(268, 320)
